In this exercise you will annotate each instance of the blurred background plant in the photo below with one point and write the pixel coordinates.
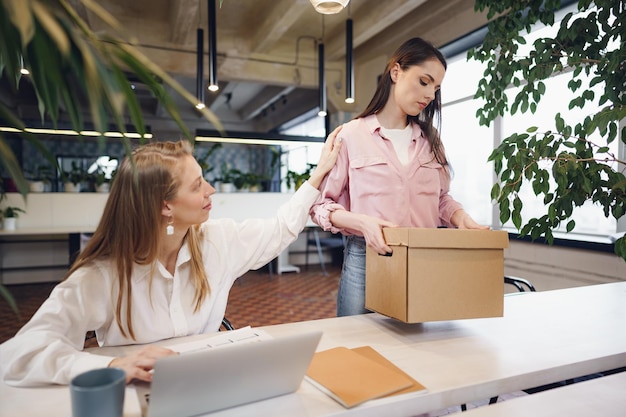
(70, 65)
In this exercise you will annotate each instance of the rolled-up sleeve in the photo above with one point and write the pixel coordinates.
(334, 194)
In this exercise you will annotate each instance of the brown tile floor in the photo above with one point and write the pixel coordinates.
(255, 299)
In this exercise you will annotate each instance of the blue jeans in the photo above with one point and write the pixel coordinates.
(351, 293)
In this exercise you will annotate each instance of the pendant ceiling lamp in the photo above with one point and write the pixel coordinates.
(322, 81)
(349, 64)
(200, 69)
(212, 47)
(329, 6)
(23, 69)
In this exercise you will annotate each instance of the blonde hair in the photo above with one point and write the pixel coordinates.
(130, 229)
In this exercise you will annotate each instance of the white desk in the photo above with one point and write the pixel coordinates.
(597, 397)
(543, 337)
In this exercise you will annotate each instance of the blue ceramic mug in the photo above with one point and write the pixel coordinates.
(98, 393)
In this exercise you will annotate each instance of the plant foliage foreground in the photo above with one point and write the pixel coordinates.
(564, 166)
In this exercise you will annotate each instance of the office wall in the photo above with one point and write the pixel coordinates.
(554, 267)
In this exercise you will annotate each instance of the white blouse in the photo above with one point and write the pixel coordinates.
(48, 349)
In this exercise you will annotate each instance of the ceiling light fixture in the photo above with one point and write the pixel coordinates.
(322, 81)
(329, 6)
(23, 69)
(200, 60)
(212, 47)
(70, 132)
(349, 64)
(200, 70)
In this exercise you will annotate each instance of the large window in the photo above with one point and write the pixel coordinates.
(468, 144)
(297, 156)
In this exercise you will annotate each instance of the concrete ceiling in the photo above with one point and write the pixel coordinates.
(267, 51)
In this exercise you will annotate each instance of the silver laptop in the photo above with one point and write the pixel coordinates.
(208, 380)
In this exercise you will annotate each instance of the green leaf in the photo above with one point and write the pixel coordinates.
(4, 293)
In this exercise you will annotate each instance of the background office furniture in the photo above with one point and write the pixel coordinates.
(322, 244)
(226, 325)
(520, 283)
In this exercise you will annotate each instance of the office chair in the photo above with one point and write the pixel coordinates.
(329, 243)
(519, 283)
(226, 325)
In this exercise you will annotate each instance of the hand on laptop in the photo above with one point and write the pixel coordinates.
(139, 364)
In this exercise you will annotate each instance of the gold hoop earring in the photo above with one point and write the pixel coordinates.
(170, 228)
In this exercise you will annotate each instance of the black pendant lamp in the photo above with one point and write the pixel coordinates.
(200, 69)
(322, 81)
(349, 64)
(212, 47)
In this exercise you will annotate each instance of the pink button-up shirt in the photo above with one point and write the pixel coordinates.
(369, 179)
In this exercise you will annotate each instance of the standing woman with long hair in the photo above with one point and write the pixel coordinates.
(156, 267)
(392, 169)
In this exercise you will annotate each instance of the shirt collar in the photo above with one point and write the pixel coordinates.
(373, 125)
(143, 271)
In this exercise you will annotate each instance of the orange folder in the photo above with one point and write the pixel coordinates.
(352, 377)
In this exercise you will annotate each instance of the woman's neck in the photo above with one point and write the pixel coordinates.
(168, 253)
(391, 119)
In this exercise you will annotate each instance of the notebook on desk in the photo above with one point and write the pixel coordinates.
(208, 380)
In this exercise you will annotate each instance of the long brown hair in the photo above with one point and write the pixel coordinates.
(413, 52)
(130, 229)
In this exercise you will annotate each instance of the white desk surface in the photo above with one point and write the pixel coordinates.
(543, 337)
(597, 397)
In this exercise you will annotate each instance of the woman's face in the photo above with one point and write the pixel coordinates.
(193, 199)
(415, 87)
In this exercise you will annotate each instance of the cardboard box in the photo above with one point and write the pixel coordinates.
(437, 274)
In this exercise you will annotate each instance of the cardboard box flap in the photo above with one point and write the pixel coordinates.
(446, 238)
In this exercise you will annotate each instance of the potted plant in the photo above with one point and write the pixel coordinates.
(101, 182)
(9, 217)
(296, 179)
(73, 178)
(41, 179)
(227, 178)
(247, 181)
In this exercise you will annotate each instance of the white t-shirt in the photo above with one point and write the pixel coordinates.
(401, 139)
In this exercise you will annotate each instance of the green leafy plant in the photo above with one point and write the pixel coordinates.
(203, 160)
(99, 178)
(247, 180)
(12, 212)
(69, 62)
(227, 174)
(76, 175)
(42, 173)
(297, 178)
(564, 167)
